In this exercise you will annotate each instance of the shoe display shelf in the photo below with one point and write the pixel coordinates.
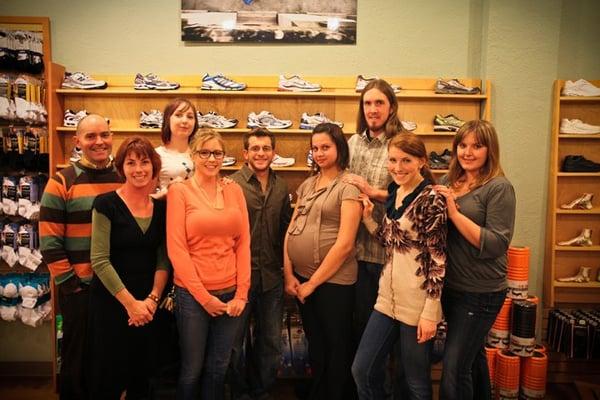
(338, 100)
(563, 188)
(33, 24)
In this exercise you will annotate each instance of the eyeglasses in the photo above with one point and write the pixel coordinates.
(256, 149)
(217, 154)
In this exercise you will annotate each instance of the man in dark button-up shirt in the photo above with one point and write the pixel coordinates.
(269, 209)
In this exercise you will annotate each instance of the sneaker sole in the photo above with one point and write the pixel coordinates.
(209, 87)
(445, 128)
(297, 89)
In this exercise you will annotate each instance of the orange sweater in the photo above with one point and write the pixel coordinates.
(209, 248)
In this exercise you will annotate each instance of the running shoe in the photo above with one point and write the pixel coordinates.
(80, 80)
(152, 119)
(580, 87)
(577, 126)
(409, 125)
(296, 84)
(453, 86)
(449, 123)
(76, 154)
(436, 161)
(280, 162)
(361, 82)
(265, 119)
(220, 82)
(308, 121)
(228, 160)
(72, 118)
(213, 120)
(309, 159)
(151, 81)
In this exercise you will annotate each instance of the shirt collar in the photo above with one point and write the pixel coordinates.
(381, 138)
(248, 174)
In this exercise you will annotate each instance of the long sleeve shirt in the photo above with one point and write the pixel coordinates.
(209, 247)
(66, 220)
(479, 270)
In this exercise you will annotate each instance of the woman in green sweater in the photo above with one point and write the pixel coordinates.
(128, 227)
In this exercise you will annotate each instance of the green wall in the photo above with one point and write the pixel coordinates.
(521, 46)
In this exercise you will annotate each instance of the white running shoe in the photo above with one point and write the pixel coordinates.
(220, 82)
(76, 154)
(409, 125)
(308, 121)
(228, 160)
(152, 119)
(280, 162)
(72, 119)
(265, 119)
(151, 81)
(580, 87)
(296, 84)
(362, 81)
(213, 120)
(577, 126)
(309, 159)
(80, 80)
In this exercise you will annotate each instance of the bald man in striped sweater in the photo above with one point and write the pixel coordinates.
(65, 230)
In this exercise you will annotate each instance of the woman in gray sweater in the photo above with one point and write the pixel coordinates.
(481, 211)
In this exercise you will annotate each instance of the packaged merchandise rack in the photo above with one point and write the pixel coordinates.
(34, 24)
(338, 100)
(563, 187)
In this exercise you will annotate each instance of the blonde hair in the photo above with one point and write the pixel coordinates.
(485, 134)
(204, 135)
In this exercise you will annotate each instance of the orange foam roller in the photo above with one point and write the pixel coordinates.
(534, 372)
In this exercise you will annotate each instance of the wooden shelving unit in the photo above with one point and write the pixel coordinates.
(563, 187)
(122, 104)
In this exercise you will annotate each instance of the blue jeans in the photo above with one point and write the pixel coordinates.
(470, 317)
(255, 373)
(367, 286)
(370, 362)
(205, 343)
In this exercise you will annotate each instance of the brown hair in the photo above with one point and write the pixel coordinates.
(204, 135)
(337, 137)
(258, 132)
(392, 125)
(165, 132)
(413, 145)
(486, 135)
(141, 147)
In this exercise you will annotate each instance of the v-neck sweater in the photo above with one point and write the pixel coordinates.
(209, 247)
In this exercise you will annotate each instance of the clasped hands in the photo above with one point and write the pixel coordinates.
(141, 312)
(216, 307)
(301, 291)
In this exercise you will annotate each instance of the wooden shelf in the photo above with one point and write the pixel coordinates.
(577, 248)
(578, 137)
(582, 99)
(581, 174)
(583, 285)
(250, 91)
(593, 211)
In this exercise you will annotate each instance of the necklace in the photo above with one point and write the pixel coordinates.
(217, 202)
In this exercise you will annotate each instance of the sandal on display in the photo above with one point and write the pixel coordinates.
(582, 276)
(584, 202)
(584, 239)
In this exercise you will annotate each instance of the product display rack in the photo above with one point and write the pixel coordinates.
(34, 24)
(338, 100)
(563, 187)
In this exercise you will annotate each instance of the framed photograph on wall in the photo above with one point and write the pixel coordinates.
(269, 21)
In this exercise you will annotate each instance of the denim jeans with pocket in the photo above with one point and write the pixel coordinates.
(469, 316)
(370, 362)
(205, 343)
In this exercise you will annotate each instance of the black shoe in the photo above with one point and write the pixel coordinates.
(436, 161)
(579, 164)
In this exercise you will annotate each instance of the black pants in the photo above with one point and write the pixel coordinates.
(74, 309)
(327, 320)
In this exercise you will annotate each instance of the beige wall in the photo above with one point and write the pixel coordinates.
(522, 47)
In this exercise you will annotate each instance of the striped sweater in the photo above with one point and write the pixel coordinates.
(66, 219)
